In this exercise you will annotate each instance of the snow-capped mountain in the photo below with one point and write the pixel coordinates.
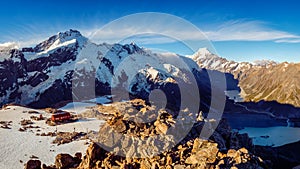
(206, 59)
(261, 80)
(44, 75)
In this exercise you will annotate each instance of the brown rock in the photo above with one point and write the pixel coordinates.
(243, 150)
(194, 159)
(143, 110)
(232, 153)
(50, 110)
(196, 145)
(94, 153)
(145, 164)
(120, 126)
(221, 155)
(178, 166)
(78, 155)
(169, 160)
(44, 166)
(64, 161)
(33, 164)
(161, 128)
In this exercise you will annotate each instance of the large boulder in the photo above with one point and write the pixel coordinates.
(64, 161)
(33, 164)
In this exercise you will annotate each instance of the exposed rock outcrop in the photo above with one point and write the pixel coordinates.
(119, 143)
(65, 161)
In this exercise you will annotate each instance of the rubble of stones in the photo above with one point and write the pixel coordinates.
(67, 137)
(5, 124)
(134, 123)
(27, 124)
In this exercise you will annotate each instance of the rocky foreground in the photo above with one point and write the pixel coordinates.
(120, 142)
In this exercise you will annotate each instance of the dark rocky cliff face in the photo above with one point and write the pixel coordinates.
(16, 72)
(11, 70)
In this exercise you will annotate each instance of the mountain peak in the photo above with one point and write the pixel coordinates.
(70, 34)
(62, 38)
(203, 51)
(264, 62)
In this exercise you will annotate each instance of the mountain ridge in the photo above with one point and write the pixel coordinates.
(33, 76)
(263, 80)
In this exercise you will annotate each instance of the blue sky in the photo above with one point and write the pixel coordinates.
(239, 30)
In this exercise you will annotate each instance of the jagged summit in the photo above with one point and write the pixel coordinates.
(204, 51)
(206, 58)
(264, 62)
(60, 39)
(209, 60)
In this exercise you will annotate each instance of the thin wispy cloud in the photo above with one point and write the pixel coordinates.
(292, 40)
(240, 30)
(236, 30)
(166, 30)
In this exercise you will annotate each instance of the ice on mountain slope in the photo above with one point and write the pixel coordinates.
(61, 40)
(58, 44)
(33, 55)
(87, 60)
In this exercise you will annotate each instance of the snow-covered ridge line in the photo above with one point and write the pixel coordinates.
(209, 60)
(205, 54)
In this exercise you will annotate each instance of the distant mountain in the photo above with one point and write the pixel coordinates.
(261, 80)
(206, 59)
(44, 75)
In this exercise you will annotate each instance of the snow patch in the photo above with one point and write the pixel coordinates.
(58, 44)
(16, 145)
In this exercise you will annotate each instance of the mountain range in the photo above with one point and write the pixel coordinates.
(31, 76)
(262, 80)
(64, 66)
